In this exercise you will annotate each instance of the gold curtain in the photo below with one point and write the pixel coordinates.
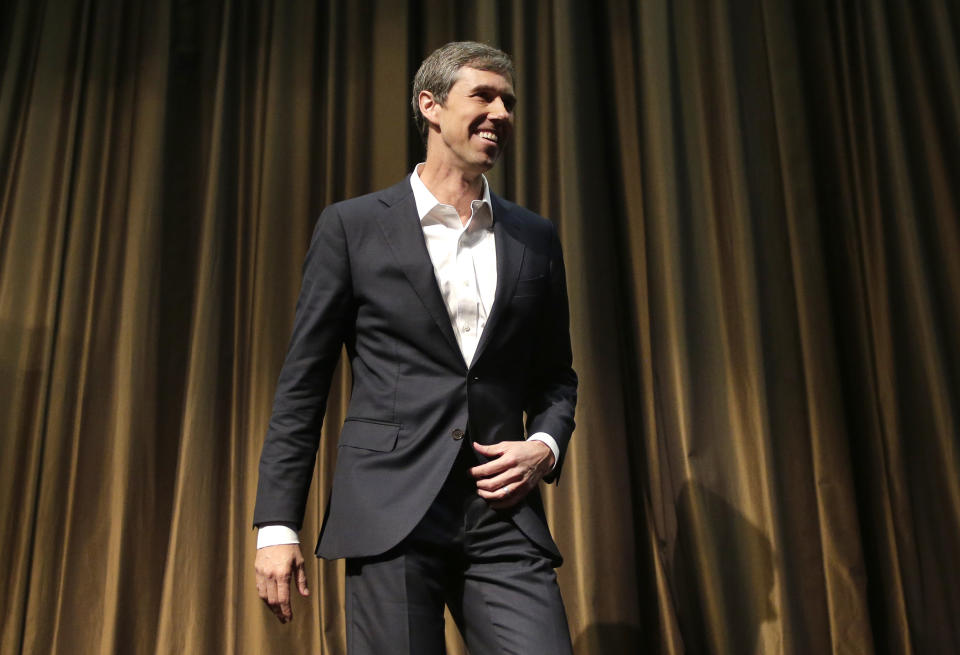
(758, 205)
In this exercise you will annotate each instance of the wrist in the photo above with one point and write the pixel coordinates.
(550, 443)
(547, 459)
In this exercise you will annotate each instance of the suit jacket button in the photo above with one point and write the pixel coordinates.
(457, 434)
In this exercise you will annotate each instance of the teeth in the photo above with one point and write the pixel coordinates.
(489, 136)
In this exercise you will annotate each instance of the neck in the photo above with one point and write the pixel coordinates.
(451, 185)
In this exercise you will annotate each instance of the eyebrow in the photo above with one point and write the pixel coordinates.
(493, 89)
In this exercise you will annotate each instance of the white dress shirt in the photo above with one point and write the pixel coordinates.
(464, 258)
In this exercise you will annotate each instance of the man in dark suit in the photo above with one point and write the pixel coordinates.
(452, 304)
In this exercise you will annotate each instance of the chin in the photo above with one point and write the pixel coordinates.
(490, 160)
(483, 164)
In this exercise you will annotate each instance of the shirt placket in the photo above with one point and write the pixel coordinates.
(467, 305)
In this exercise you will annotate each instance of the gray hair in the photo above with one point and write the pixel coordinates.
(438, 72)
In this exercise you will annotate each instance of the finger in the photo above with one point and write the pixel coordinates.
(497, 495)
(302, 580)
(489, 496)
(283, 598)
(511, 476)
(487, 470)
(516, 494)
(493, 450)
(271, 589)
(271, 600)
(493, 467)
(275, 610)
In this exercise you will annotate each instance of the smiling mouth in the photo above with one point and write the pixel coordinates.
(488, 135)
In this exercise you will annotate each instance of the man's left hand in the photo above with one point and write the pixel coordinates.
(514, 469)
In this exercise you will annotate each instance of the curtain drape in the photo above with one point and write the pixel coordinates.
(758, 205)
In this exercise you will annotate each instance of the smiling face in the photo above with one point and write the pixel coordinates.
(475, 122)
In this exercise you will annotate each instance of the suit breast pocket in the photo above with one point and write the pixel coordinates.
(532, 287)
(369, 434)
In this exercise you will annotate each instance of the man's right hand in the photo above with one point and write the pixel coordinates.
(277, 567)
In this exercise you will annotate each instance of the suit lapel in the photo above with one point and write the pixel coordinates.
(510, 251)
(405, 236)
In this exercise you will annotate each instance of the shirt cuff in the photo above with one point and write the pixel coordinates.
(551, 444)
(275, 535)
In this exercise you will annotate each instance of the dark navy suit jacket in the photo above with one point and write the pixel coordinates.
(368, 283)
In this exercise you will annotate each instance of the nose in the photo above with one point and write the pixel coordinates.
(498, 109)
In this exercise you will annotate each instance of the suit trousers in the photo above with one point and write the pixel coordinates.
(500, 587)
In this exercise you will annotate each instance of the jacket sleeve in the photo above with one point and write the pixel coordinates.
(553, 397)
(323, 321)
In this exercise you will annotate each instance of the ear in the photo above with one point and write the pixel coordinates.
(428, 107)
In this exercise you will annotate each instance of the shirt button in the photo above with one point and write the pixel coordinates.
(457, 434)
(466, 328)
